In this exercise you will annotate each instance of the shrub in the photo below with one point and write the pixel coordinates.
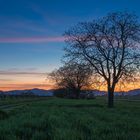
(61, 93)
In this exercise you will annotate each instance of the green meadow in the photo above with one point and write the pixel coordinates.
(69, 119)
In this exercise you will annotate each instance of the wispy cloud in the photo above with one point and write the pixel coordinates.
(5, 80)
(20, 73)
(25, 86)
(32, 40)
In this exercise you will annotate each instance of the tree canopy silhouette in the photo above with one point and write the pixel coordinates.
(110, 45)
(72, 77)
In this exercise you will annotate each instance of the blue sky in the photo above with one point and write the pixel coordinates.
(31, 32)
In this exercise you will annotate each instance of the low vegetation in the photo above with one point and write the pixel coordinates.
(3, 115)
(71, 119)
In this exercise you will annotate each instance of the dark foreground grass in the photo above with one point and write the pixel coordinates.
(65, 119)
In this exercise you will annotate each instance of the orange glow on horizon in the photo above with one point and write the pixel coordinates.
(48, 86)
(38, 80)
(24, 81)
(25, 86)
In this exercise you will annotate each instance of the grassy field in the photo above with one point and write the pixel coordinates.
(66, 119)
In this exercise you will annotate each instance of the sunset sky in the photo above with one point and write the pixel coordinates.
(31, 42)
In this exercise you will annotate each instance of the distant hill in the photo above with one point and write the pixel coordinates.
(134, 92)
(1, 91)
(42, 92)
(36, 92)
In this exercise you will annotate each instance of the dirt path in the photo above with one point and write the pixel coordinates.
(21, 103)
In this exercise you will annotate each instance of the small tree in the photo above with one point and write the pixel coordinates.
(110, 45)
(72, 77)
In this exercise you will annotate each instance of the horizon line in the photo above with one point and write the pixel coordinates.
(43, 85)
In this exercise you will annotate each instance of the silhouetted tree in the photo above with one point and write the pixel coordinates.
(110, 45)
(72, 77)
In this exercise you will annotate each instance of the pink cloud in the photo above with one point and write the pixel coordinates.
(32, 40)
(20, 73)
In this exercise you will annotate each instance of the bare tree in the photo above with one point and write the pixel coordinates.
(110, 45)
(73, 77)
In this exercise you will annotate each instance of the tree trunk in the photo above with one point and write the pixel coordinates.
(77, 91)
(111, 97)
(78, 94)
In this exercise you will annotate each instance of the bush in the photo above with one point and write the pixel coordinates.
(87, 95)
(71, 96)
(61, 93)
(90, 96)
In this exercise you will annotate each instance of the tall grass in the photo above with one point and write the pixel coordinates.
(65, 119)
